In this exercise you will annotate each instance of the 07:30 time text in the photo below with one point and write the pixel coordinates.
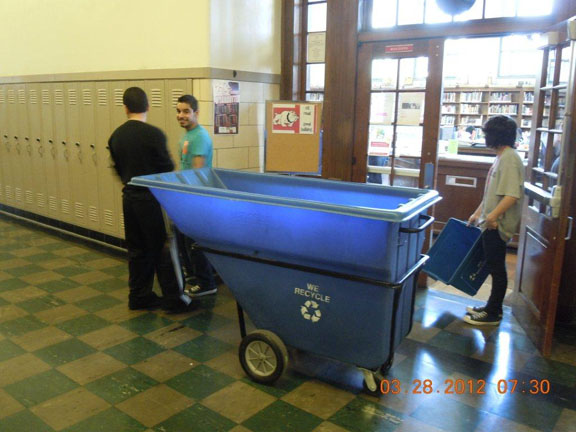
(461, 386)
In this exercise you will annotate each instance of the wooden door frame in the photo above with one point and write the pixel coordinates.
(433, 49)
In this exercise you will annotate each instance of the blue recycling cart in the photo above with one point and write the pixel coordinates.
(323, 266)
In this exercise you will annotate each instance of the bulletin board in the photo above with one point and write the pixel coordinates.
(293, 137)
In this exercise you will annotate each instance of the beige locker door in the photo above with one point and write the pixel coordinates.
(85, 163)
(79, 208)
(157, 112)
(12, 177)
(174, 89)
(62, 153)
(49, 144)
(35, 150)
(23, 187)
(118, 117)
(4, 145)
(109, 185)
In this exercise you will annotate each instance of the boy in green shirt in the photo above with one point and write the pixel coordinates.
(195, 152)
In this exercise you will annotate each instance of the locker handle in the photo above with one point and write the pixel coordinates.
(37, 139)
(77, 144)
(15, 137)
(5, 136)
(92, 146)
(63, 142)
(27, 139)
(50, 141)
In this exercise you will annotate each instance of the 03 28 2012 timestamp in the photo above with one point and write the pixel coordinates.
(461, 386)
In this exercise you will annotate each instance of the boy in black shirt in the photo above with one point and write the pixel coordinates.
(138, 148)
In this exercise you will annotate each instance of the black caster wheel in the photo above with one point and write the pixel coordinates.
(263, 356)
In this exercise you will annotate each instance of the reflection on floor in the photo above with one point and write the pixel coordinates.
(74, 358)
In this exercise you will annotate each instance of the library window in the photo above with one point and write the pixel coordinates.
(391, 13)
(315, 42)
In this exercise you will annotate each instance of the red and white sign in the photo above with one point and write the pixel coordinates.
(379, 148)
(294, 118)
(403, 48)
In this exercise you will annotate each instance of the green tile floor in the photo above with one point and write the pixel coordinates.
(73, 358)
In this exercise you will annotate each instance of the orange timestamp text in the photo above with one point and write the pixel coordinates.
(461, 386)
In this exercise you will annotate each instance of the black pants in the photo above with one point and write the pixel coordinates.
(495, 256)
(194, 261)
(148, 253)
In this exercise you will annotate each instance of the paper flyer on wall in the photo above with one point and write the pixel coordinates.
(294, 118)
(226, 106)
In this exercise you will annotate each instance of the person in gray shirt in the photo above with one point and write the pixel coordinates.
(498, 214)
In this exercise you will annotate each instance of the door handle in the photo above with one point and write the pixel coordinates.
(569, 232)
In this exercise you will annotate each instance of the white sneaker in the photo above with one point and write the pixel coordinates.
(482, 318)
(198, 291)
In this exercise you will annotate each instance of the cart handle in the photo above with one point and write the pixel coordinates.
(429, 221)
(416, 267)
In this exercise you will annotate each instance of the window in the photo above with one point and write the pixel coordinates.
(315, 48)
(391, 13)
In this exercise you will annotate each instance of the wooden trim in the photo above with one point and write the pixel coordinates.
(180, 73)
(340, 89)
(492, 27)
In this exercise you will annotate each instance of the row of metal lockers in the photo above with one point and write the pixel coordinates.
(54, 159)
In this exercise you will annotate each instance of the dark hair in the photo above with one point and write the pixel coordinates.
(135, 100)
(190, 100)
(500, 131)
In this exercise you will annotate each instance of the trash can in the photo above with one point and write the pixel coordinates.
(457, 257)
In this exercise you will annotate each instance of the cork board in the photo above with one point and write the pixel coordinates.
(293, 137)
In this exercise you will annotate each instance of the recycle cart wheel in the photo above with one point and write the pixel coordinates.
(263, 356)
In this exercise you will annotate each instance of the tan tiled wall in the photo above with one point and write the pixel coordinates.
(245, 150)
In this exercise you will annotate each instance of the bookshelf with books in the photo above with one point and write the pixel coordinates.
(472, 106)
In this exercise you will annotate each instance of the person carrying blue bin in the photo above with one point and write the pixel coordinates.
(195, 152)
(498, 214)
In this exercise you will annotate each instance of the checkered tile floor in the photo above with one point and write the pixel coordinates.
(74, 358)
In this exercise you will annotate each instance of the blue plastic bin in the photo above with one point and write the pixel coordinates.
(360, 229)
(457, 257)
(323, 266)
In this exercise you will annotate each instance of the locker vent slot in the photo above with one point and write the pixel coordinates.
(41, 200)
(79, 210)
(87, 96)
(21, 96)
(1, 189)
(176, 93)
(11, 97)
(58, 97)
(118, 93)
(93, 214)
(156, 98)
(72, 97)
(45, 97)
(102, 97)
(122, 221)
(8, 192)
(33, 97)
(18, 194)
(2, 96)
(52, 203)
(109, 217)
(29, 197)
(65, 204)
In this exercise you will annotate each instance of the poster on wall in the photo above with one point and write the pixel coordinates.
(226, 106)
(295, 118)
(411, 109)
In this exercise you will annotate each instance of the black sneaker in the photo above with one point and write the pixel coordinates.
(179, 307)
(198, 291)
(471, 310)
(482, 318)
(149, 302)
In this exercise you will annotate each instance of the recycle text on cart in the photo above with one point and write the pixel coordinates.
(312, 291)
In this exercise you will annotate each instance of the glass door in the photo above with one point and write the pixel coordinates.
(395, 96)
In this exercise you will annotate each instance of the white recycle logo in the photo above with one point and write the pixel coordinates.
(310, 311)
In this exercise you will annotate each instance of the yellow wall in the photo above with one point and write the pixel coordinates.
(67, 36)
(245, 35)
(64, 36)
